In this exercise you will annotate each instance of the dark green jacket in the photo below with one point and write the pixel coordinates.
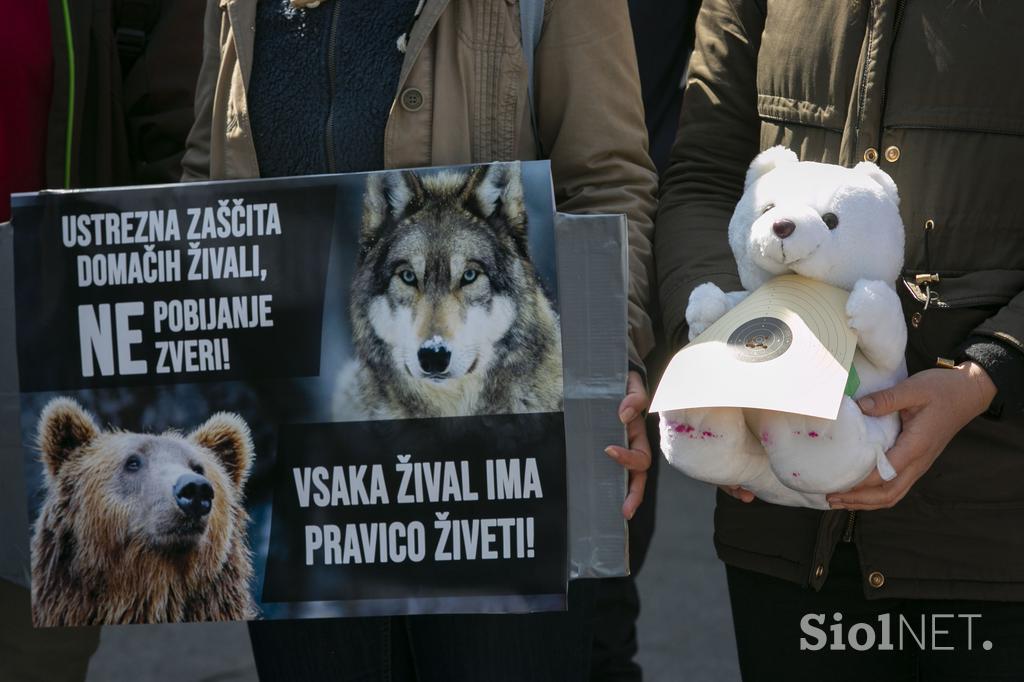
(934, 93)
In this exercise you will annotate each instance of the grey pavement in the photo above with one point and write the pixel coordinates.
(685, 628)
(199, 652)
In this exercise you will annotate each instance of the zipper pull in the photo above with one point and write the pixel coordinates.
(851, 519)
(926, 280)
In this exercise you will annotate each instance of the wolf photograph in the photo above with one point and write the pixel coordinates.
(448, 314)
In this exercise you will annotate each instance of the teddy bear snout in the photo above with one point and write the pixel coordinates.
(783, 228)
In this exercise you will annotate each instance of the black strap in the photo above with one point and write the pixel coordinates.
(531, 23)
(135, 19)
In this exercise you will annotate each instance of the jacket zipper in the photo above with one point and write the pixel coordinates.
(901, 5)
(851, 519)
(864, 70)
(332, 70)
(959, 129)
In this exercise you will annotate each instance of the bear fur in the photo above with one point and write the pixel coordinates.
(847, 232)
(140, 528)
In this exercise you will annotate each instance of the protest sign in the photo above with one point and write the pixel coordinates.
(310, 397)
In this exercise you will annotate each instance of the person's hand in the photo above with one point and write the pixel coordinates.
(739, 492)
(933, 405)
(637, 458)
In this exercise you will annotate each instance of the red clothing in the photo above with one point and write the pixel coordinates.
(26, 85)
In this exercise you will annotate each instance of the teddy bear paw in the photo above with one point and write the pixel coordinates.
(875, 314)
(870, 305)
(815, 455)
(707, 304)
(710, 444)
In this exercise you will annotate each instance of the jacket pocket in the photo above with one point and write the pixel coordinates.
(982, 468)
(943, 314)
(784, 110)
(809, 81)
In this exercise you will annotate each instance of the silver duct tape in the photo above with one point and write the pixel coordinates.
(593, 271)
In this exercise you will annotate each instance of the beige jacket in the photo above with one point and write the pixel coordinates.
(462, 98)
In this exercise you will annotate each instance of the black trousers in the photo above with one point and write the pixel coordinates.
(536, 647)
(30, 654)
(768, 612)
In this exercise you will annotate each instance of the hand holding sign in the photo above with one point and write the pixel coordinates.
(637, 458)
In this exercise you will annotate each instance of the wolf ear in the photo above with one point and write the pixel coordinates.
(64, 427)
(496, 192)
(389, 198)
(882, 178)
(768, 160)
(227, 436)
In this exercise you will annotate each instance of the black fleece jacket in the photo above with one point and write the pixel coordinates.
(323, 81)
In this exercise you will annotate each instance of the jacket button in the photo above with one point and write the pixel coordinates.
(871, 154)
(892, 154)
(915, 320)
(929, 225)
(819, 571)
(876, 579)
(412, 99)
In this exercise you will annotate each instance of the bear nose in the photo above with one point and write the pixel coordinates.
(434, 358)
(783, 228)
(194, 495)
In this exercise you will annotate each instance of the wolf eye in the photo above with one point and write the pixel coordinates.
(408, 276)
(831, 220)
(469, 276)
(197, 468)
(767, 208)
(133, 463)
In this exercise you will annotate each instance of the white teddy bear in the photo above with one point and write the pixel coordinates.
(840, 226)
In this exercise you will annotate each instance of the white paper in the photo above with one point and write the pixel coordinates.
(787, 347)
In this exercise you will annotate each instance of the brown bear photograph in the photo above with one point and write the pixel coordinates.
(140, 527)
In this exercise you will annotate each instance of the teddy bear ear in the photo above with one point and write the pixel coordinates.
(227, 436)
(769, 160)
(64, 427)
(881, 177)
